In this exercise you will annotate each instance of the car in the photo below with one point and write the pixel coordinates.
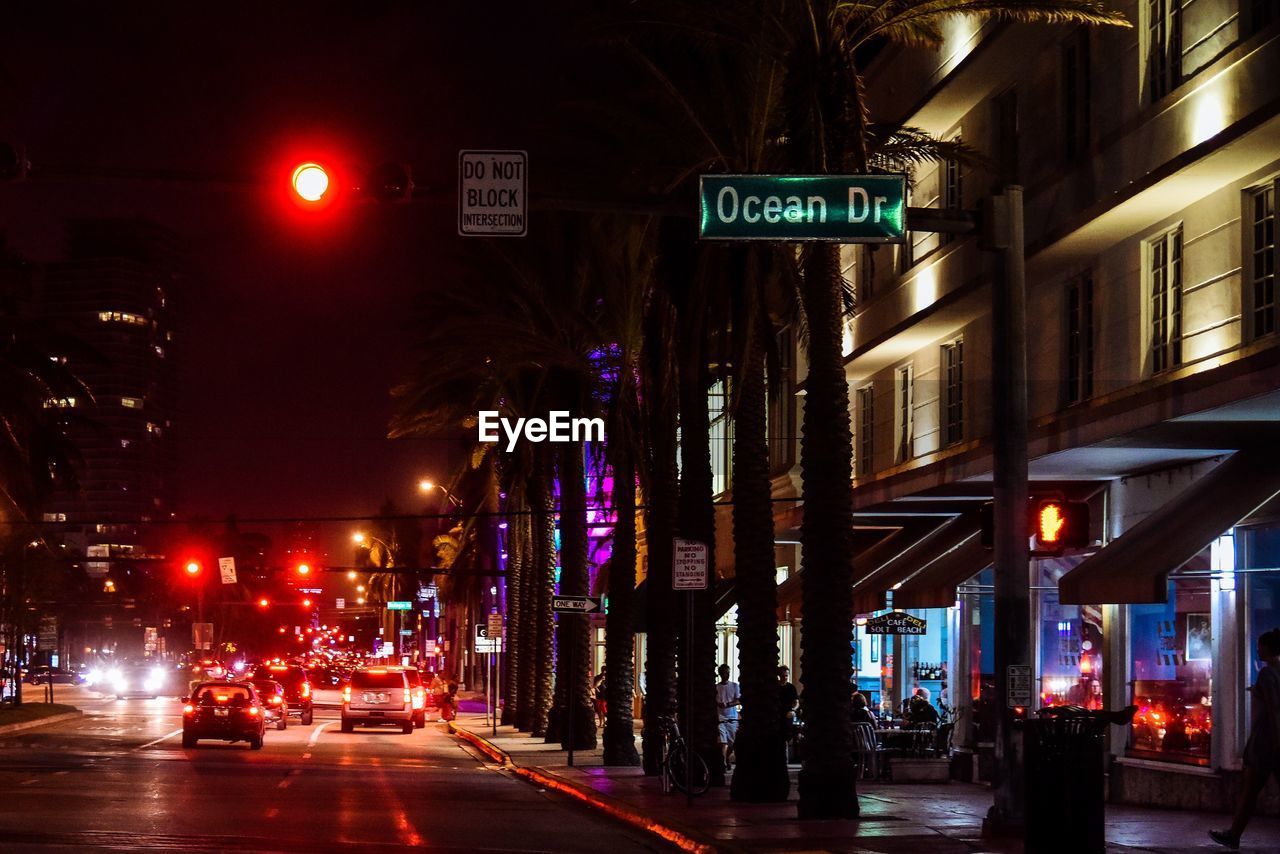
(419, 696)
(297, 688)
(44, 674)
(227, 711)
(136, 680)
(378, 696)
(275, 706)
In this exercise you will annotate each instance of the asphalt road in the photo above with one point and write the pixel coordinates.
(118, 779)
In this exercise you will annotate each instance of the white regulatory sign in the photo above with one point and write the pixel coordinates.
(227, 569)
(689, 565)
(1018, 686)
(493, 193)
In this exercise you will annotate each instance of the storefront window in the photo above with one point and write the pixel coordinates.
(1070, 643)
(982, 655)
(1261, 557)
(1171, 651)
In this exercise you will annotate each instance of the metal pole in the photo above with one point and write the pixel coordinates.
(1012, 556)
(568, 695)
(497, 681)
(688, 698)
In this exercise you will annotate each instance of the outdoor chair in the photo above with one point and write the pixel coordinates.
(867, 750)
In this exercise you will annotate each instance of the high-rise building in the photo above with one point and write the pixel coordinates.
(112, 295)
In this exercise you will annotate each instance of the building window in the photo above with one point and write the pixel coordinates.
(1076, 95)
(1080, 338)
(1260, 14)
(60, 403)
(1262, 269)
(131, 402)
(866, 429)
(1164, 46)
(953, 392)
(1165, 272)
(905, 394)
(55, 517)
(1070, 643)
(721, 431)
(1171, 648)
(782, 407)
(122, 317)
(952, 196)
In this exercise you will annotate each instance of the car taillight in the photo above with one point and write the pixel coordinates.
(253, 710)
(275, 701)
(188, 709)
(346, 694)
(306, 689)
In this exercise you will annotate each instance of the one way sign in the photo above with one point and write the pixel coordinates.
(575, 604)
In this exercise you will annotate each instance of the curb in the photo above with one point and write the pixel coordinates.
(39, 722)
(684, 839)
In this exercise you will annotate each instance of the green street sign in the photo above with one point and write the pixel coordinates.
(399, 606)
(839, 208)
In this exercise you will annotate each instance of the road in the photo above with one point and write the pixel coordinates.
(119, 779)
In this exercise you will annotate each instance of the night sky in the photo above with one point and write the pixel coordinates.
(293, 327)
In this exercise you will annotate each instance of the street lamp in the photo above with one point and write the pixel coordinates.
(427, 486)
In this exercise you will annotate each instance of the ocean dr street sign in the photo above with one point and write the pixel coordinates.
(838, 208)
(493, 193)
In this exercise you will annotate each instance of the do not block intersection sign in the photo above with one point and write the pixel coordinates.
(493, 193)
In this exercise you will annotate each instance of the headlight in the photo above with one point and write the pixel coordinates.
(93, 677)
(121, 685)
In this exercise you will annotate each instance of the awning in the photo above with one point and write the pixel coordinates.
(869, 589)
(871, 547)
(1134, 568)
(934, 586)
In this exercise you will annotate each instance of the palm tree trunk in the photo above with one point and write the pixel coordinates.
(660, 516)
(530, 585)
(544, 549)
(515, 622)
(619, 728)
(761, 774)
(697, 521)
(575, 580)
(827, 782)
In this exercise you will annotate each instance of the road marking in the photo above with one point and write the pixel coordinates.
(27, 782)
(306, 755)
(295, 772)
(273, 812)
(160, 739)
(315, 733)
(60, 773)
(284, 784)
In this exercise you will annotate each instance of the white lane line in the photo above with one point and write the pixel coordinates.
(284, 784)
(27, 782)
(315, 733)
(306, 755)
(60, 773)
(160, 739)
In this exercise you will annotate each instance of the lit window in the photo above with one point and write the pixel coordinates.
(131, 402)
(159, 351)
(721, 435)
(124, 443)
(60, 403)
(1165, 272)
(55, 517)
(104, 316)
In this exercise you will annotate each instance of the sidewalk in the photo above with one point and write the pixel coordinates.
(937, 818)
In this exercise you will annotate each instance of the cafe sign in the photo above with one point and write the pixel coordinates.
(836, 208)
(895, 623)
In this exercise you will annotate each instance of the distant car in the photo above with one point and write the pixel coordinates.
(227, 711)
(275, 706)
(297, 688)
(378, 696)
(207, 668)
(136, 680)
(45, 674)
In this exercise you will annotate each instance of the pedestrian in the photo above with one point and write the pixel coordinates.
(1262, 750)
(860, 713)
(600, 688)
(728, 698)
(788, 701)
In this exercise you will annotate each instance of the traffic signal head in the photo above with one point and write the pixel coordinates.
(192, 568)
(303, 568)
(264, 602)
(310, 182)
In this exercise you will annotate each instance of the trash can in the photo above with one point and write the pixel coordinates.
(1064, 754)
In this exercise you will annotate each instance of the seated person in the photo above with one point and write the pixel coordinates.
(920, 712)
(859, 713)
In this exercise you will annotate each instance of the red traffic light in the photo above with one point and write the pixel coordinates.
(264, 602)
(192, 568)
(306, 603)
(310, 182)
(302, 568)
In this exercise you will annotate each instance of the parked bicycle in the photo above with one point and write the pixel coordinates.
(679, 764)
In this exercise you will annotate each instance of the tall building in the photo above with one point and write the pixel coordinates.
(113, 297)
(1150, 160)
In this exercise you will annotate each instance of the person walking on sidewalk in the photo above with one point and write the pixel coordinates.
(788, 701)
(1262, 750)
(601, 687)
(728, 698)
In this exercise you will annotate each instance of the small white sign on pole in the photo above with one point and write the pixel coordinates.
(340, 603)
(493, 190)
(495, 626)
(689, 565)
(1018, 685)
(227, 569)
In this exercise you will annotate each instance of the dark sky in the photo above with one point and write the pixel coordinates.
(294, 327)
